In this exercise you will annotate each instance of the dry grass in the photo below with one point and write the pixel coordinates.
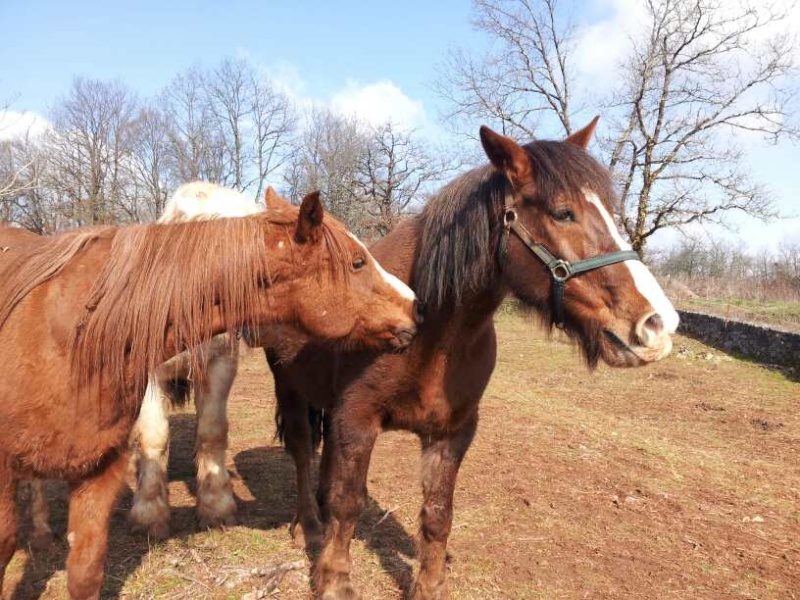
(680, 480)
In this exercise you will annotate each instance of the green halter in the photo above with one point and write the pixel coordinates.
(561, 270)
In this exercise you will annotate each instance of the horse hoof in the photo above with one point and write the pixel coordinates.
(217, 522)
(429, 592)
(42, 541)
(341, 592)
(158, 530)
(150, 516)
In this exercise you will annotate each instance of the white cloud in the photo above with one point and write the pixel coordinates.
(379, 102)
(602, 45)
(286, 79)
(15, 124)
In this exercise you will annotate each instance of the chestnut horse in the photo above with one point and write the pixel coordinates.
(150, 437)
(87, 316)
(535, 223)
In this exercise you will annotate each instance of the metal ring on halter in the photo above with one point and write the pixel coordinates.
(509, 217)
(561, 271)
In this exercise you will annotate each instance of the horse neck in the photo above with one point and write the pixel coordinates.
(397, 253)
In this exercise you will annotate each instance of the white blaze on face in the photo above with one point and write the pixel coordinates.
(642, 277)
(400, 287)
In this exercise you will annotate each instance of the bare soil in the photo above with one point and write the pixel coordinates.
(679, 480)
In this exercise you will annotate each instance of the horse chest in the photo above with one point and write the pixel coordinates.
(437, 403)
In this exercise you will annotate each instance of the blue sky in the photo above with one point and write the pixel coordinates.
(146, 43)
(360, 56)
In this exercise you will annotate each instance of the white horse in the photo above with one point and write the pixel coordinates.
(150, 437)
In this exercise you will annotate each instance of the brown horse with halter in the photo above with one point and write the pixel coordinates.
(87, 316)
(535, 223)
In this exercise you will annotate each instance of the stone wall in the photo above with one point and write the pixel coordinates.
(762, 344)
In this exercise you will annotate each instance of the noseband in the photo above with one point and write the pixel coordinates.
(561, 270)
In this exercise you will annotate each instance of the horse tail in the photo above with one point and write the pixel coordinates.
(316, 423)
(176, 390)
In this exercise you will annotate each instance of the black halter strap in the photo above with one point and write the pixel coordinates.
(561, 270)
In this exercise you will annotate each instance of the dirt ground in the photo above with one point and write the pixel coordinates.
(679, 480)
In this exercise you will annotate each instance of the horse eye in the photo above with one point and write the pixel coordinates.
(564, 215)
(359, 263)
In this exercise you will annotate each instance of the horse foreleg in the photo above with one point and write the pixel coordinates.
(90, 503)
(347, 451)
(215, 502)
(41, 537)
(441, 460)
(8, 517)
(150, 510)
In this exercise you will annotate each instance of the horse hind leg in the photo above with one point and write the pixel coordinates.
(216, 506)
(8, 517)
(90, 504)
(150, 510)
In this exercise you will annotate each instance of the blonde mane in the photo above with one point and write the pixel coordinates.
(160, 277)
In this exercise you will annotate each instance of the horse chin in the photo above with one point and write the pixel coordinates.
(401, 340)
(393, 342)
(617, 353)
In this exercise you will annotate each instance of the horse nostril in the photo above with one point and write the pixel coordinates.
(650, 329)
(655, 324)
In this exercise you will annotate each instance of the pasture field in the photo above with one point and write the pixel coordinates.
(679, 480)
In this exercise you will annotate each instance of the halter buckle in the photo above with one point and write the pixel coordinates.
(509, 217)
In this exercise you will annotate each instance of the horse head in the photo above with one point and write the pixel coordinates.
(561, 252)
(359, 304)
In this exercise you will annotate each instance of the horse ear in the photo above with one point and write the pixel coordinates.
(507, 156)
(309, 221)
(582, 137)
(273, 199)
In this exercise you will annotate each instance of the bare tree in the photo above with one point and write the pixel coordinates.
(702, 72)
(88, 147)
(28, 203)
(228, 125)
(705, 71)
(395, 172)
(526, 78)
(151, 177)
(195, 147)
(789, 257)
(274, 125)
(330, 153)
(13, 171)
(369, 176)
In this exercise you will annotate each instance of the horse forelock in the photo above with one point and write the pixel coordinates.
(561, 168)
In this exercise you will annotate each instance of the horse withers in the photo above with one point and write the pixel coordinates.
(534, 223)
(86, 318)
